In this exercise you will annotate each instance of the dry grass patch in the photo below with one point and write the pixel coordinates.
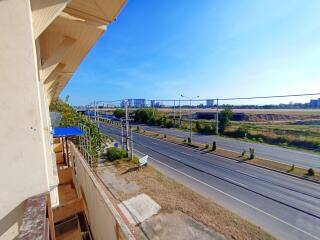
(174, 196)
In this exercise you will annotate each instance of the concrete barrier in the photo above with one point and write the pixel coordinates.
(106, 222)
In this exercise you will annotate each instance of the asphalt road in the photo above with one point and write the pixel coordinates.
(284, 155)
(286, 207)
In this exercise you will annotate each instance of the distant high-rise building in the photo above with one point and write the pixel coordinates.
(152, 103)
(139, 103)
(129, 101)
(314, 103)
(210, 103)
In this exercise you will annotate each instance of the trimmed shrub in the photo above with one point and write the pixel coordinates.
(135, 160)
(244, 152)
(169, 124)
(311, 172)
(292, 168)
(114, 153)
(252, 153)
(165, 136)
(206, 146)
(214, 146)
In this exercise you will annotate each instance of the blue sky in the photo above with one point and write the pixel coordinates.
(162, 48)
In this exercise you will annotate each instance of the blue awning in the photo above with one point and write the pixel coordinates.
(67, 132)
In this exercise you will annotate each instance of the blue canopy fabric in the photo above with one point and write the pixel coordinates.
(67, 132)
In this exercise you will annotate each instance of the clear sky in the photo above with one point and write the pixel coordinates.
(213, 48)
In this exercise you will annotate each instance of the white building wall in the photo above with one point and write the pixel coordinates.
(23, 157)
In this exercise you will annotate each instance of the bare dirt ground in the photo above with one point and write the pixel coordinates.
(172, 196)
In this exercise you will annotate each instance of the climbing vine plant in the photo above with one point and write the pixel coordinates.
(70, 117)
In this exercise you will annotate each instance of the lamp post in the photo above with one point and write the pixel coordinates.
(190, 117)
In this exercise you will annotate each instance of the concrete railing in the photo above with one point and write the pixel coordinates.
(105, 219)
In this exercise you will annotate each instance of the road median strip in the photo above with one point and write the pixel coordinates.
(286, 169)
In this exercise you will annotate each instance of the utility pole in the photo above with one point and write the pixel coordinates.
(180, 113)
(98, 119)
(174, 113)
(190, 122)
(127, 128)
(95, 110)
(122, 143)
(190, 117)
(153, 108)
(131, 139)
(217, 118)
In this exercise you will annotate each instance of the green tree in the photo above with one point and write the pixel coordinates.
(225, 119)
(119, 113)
(142, 115)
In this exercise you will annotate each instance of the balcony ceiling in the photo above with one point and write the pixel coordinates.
(65, 31)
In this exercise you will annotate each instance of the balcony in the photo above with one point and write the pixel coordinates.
(86, 209)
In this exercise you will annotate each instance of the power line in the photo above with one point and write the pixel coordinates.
(237, 98)
(215, 98)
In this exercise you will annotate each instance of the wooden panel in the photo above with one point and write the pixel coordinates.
(57, 147)
(44, 12)
(64, 211)
(59, 158)
(65, 175)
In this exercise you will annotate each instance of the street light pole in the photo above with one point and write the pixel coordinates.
(190, 122)
(174, 113)
(190, 117)
(180, 113)
(217, 118)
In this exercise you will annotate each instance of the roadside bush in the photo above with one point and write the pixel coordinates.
(114, 153)
(252, 153)
(214, 146)
(138, 129)
(206, 146)
(244, 152)
(165, 136)
(311, 172)
(198, 126)
(135, 160)
(292, 168)
(152, 121)
(169, 124)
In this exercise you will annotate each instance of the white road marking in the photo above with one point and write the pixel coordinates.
(237, 199)
(230, 180)
(186, 154)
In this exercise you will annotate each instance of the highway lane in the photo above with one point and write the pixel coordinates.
(284, 155)
(287, 207)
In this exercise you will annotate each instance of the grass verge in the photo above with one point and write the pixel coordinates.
(172, 196)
